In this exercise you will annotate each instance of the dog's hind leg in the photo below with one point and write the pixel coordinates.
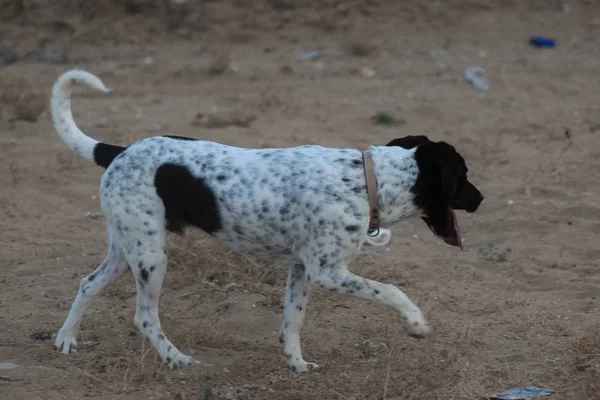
(111, 268)
(296, 297)
(147, 256)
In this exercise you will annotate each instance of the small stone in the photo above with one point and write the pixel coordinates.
(367, 72)
(93, 215)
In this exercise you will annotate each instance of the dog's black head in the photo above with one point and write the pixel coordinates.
(442, 186)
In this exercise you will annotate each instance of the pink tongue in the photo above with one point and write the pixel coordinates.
(457, 238)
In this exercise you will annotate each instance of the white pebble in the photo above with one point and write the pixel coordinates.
(367, 72)
(510, 202)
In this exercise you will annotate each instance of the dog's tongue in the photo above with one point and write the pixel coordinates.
(455, 240)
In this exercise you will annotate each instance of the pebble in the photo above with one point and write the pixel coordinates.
(367, 72)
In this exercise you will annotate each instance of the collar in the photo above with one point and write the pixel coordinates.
(371, 181)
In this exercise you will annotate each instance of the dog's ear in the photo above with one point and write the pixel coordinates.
(440, 159)
(409, 142)
(447, 162)
(437, 157)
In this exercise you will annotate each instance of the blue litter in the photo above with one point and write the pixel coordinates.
(314, 54)
(310, 55)
(524, 393)
(542, 41)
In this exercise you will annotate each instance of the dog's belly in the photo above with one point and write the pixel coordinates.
(274, 248)
(264, 252)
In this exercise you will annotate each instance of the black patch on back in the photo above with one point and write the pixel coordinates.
(179, 137)
(104, 154)
(187, 199)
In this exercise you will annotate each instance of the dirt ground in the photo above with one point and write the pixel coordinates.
(519, 306)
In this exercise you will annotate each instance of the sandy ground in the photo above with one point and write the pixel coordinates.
(519, 306)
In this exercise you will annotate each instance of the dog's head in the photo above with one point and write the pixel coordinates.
(442, 186)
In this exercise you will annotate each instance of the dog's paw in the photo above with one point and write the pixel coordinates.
(302, 366)
(180, 361)
(66, 342)
(419, 329)
(416, 325)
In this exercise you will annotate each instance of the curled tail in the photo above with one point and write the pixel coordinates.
(60, 107)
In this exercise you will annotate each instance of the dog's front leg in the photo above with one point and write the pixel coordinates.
(296, 297)
(336, 278)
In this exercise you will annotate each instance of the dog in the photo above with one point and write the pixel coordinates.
(307, 206)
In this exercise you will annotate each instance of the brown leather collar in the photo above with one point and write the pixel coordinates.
(371, 181)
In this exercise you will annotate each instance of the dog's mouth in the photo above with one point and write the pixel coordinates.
(452, 236)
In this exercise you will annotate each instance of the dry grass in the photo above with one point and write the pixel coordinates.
(586, 354)
(20, 99)
(584, 365)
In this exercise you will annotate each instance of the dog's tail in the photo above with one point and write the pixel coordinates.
(60, 107)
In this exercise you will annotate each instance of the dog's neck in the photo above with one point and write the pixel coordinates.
(396, 172)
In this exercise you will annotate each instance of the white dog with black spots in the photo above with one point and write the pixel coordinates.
(305, 206)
